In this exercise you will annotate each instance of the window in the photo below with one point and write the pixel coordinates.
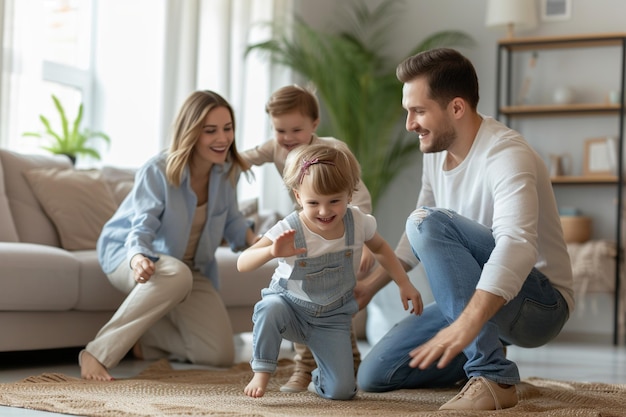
(47, 51)
(67, 32)
(132, 63)
(88, 51)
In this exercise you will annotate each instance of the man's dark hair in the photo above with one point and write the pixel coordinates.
(448, 75)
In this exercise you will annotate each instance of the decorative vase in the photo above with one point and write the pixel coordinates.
(563, 95)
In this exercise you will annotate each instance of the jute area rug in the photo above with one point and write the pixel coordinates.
(163, 391)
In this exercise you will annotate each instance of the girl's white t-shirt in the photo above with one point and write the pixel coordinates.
(364, 230)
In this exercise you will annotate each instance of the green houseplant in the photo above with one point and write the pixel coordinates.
(356, 83)
(71, 140)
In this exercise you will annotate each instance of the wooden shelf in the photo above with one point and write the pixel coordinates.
(560, 42)
(585, 179)
(562, 109)
(507, 48)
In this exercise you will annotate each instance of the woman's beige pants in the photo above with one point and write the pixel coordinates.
(177, 315)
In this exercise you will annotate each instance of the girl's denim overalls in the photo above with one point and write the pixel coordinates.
(323, 324)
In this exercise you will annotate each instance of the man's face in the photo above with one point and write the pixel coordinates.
(426, 117)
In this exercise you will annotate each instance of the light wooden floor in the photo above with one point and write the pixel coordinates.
(561, 360)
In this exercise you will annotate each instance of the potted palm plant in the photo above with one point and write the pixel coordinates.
(71, 140)
(356, 83)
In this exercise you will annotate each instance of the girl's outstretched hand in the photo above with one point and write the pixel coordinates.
(408, 292)
(285, 245)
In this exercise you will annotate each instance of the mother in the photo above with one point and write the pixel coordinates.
(159, 247)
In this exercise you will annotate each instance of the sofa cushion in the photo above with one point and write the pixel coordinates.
(120, 180)
(31, 222)
(37, 278)
(78, 202)
(96, 293)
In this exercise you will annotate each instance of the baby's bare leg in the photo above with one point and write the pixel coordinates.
(256, 387)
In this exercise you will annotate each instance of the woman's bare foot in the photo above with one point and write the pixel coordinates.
(256, 387)
(91, 368)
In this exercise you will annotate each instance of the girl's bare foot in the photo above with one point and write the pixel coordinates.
(91, 368)
(256, 387)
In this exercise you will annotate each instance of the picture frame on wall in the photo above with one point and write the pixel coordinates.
(599, 158)
(555, 10)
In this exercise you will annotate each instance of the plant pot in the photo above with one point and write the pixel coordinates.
(71, 157)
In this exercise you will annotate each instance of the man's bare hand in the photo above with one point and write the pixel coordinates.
(442, 348)
(451, 341)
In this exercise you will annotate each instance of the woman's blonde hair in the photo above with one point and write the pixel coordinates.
(329, 169)
(293, 98)
(187, 130)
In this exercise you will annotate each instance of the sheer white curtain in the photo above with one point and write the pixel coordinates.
(246, 82)
(180, 58)
(29, 76)
(205, 43)
(105, 54)
(183, 46)
(3, 80)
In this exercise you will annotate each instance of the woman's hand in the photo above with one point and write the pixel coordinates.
(143, 268)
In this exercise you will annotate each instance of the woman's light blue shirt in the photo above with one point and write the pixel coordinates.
(155, 218)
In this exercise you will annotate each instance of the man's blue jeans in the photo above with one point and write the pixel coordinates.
(453, 250)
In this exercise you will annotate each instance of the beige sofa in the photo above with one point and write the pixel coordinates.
(53, 293)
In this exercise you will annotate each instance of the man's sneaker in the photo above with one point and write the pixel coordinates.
(298, 382)
(482, 394)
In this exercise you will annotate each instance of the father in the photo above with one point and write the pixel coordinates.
(488, 233)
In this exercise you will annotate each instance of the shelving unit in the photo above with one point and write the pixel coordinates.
(553, 110)
(506, 49)
(581, 180)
